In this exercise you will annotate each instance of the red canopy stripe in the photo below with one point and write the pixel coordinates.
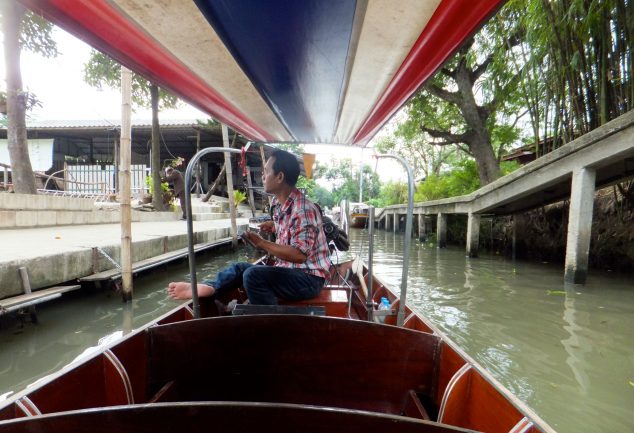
(451, 24)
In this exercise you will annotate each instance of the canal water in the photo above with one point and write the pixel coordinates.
(565, 350)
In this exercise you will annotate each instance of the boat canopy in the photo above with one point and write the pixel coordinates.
(309, 71)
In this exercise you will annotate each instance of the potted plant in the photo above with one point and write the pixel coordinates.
(166, 193)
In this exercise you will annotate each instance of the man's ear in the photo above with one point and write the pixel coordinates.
(280, 176)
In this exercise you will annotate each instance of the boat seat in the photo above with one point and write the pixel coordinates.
(335, 301)
(249, 309)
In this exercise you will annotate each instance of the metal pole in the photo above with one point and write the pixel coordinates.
(346, 214)
(190, 223)
(361, 181)
(124, 183)
(400, 318)
(369, 300)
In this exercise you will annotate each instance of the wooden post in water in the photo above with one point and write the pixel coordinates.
(124, 183)
(250, 191)
(26, 286)
(263, 164)
(198, 186)
(441, 230)
(229, 171)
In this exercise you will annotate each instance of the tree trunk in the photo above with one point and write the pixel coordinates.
(215, 184)
(21, 169)
(479, 138)
(488, 168)
(157, 197)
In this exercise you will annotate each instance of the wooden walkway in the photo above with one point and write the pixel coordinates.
(144, 265)
(28, 300)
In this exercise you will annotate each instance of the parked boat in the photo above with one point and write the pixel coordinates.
(359, 215)
(304, 72)
(337, 372)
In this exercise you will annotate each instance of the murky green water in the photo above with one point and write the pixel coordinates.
(565, 350)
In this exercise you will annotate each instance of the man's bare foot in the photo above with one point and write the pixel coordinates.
(183, 290)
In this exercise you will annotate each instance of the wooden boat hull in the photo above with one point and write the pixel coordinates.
(358, 221)
(194, 417)
(295, 364)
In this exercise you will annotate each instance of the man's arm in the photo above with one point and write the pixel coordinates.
(284, 252)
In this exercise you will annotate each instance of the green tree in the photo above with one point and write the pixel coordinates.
(102, 71)
(346, 183)
(391, 193)
(318, 194)
(576, 64)
(423, 157)
(22, 30)
(464, 103)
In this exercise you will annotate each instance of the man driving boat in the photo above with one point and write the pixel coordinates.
(302, 261)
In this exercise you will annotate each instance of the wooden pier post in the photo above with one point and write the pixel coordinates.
(26, 287)
(473, 234)
(421, 226)
(579, 225)
(124, 184)
(441, 230)
(250, 192)
(514, 239)
(229, 172)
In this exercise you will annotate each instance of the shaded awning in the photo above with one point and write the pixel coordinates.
(310, 71)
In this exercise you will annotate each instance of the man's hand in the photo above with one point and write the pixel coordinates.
(254, 238)
(267, 227)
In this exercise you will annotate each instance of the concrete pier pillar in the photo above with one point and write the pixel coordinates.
(395, 222)
(514, 239)
(441, 230)
(579, 225)
(473, 234)
(422, 235)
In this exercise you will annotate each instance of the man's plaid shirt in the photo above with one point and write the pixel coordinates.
(298, 223)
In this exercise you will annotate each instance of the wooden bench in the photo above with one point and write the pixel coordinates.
(250, 309)
(335, 301)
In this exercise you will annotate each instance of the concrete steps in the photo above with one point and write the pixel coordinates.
(30, 211)
(210, 216)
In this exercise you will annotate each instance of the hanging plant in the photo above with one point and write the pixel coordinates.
(238, 197)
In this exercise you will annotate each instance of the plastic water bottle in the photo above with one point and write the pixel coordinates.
(384, 305)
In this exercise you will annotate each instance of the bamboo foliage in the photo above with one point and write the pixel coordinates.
(578, 71)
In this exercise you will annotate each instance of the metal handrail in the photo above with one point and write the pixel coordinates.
(190, 223)
(370, 300)
(400, 318)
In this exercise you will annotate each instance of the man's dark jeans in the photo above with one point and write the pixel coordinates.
(264, 284)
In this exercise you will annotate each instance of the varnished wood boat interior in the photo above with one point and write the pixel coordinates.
(275, 373)
(224, 417)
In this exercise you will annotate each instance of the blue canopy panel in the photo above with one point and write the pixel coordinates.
(295, 54)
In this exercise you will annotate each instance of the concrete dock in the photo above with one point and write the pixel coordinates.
(574, 171)
(65, 253)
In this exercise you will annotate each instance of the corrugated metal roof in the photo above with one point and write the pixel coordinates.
(105, 123)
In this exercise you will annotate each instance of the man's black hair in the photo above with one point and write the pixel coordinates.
(287, 164)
